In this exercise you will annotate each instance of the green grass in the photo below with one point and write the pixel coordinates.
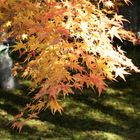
(115, 115)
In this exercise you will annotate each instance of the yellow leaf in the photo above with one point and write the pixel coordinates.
(54, 105)
(24, 36)
(8, 24)
(109, 4)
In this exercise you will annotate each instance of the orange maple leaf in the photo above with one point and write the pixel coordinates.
(54, 105)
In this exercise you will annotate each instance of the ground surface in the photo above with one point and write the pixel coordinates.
(115, 115)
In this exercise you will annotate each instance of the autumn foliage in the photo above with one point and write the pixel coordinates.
(67, 44)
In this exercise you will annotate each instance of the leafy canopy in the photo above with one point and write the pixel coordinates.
(67, 44)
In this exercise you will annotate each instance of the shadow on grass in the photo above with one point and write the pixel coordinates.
(127, 113)
(81, 125)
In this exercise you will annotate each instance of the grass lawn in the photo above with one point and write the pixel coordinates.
(115, 115)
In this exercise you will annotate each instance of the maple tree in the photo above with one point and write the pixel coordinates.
(66, 44)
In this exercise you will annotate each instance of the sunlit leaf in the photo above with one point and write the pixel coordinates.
(63, 46)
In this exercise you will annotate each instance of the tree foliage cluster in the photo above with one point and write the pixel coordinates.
(67, 44)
